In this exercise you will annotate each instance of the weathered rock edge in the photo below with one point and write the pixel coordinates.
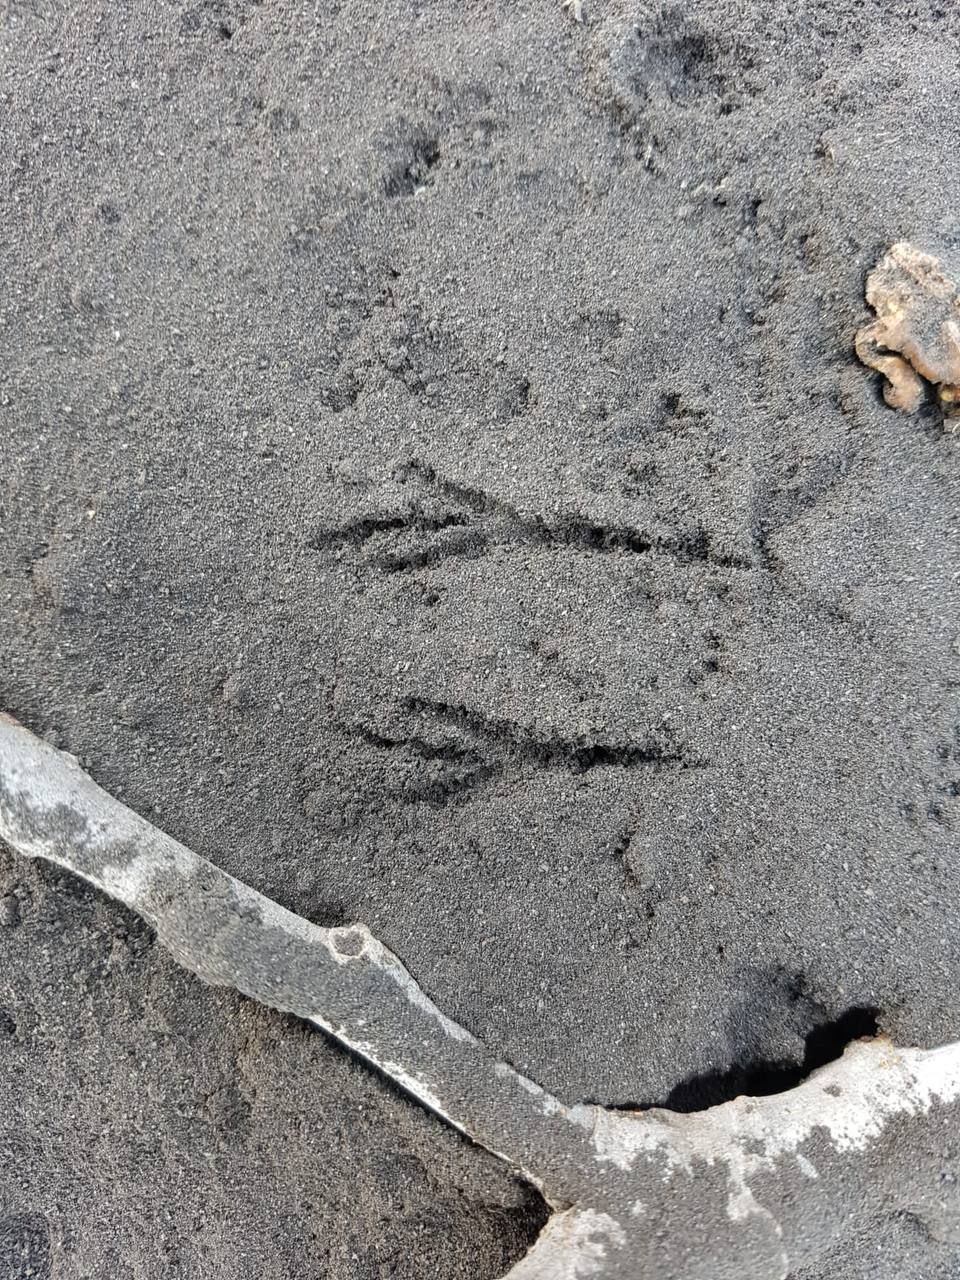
(749, 1190)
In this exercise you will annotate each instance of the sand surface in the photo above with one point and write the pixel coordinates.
(436, 485)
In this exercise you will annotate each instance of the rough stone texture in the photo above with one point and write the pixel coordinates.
(918, 318)
(481, 526)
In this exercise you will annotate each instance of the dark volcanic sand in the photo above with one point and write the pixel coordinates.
(437, 486)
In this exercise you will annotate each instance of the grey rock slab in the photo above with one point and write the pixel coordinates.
(749, 1190)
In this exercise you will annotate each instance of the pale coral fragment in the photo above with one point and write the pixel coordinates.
(915, 339)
